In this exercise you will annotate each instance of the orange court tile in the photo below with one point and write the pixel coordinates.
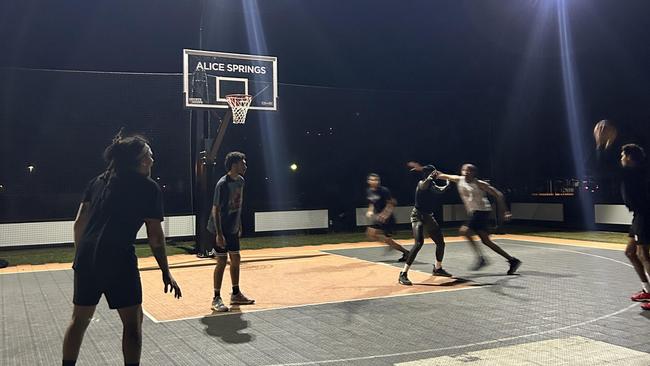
(285, 282)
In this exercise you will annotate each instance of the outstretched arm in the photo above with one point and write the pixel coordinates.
(436, 174)
(449, 177)
(424, 184)
(501, 202)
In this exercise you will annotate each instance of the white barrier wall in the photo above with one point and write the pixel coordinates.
(612, 214)
(538, 211)
(57, 232)
(291, 220)
(402, 215)
(520, 211)
(454, 213)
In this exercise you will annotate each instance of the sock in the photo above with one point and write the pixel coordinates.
(69, 362)
(646, 286)
(217, 293)
(235, 290)
(438, 264)
(132, 364)
(406, 268)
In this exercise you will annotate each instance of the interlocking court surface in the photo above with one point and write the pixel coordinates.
(341, 304)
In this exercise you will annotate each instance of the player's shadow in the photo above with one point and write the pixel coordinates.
(521, 273)
(229, 327)
(452, 282)
(397, 263)
(499, 286)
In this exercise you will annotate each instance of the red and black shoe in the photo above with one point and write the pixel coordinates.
(645, 306)
(641, 296)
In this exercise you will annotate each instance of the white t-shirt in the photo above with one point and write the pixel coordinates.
(473, 197)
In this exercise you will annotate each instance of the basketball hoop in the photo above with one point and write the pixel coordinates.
(239, 104)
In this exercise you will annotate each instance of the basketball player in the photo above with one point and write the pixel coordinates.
(423, 222)
(114, 207)
(380, 212)
(631, 173)
(473, 193)
(635, 196)
(225, 224)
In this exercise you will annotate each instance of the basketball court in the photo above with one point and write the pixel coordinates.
(312, 98)
(341, 304)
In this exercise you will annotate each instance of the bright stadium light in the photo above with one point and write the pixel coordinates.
(293, 167)
(573, 103)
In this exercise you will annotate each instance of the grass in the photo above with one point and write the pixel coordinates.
(66, 254)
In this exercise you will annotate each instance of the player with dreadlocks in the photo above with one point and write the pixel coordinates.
(114, 207)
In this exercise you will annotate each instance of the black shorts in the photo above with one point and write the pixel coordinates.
(479, 221)
(428, 221)
(387, 227)
(640, 228)
(232, 245)
(121, 291)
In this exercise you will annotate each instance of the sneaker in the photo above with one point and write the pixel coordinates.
(641, 296)
(645, 306)
(218, 306)
(240, 299)
(404, 257)
(514, 265)
(440, 272)
(480, 263)
(404, 280)
(206, 254)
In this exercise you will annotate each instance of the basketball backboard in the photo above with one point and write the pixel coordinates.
(209, 76)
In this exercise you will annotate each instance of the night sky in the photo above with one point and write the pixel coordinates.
(382, 82)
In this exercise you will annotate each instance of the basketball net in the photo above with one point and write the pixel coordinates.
(239, 104)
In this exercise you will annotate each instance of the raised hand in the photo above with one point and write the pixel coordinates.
(414, 166)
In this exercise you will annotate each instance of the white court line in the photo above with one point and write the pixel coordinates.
(455, 347)
(398, 354)
(390, 296)
(314, 304)
(322, 303)
(38, 270)
(566, 250)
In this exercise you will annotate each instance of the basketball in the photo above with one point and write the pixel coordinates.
(604, 133)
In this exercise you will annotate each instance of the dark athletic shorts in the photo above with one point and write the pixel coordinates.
(429, 223)
(387, 227)
(121, 290)
(232, 245)
(640, 228)
(479, 221)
